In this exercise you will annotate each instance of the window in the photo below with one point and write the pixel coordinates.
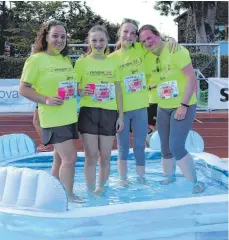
(221, 33)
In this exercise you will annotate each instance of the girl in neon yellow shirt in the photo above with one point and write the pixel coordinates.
(101, 95)
(176, 105)
(48, 78)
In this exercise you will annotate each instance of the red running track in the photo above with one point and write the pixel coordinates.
(213, 127)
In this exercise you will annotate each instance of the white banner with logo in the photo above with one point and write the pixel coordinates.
(10, 99)
(218, 93)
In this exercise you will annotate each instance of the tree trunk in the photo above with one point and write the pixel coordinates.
(2, 27)
(210, 20)
(199, 22)
(198, 18)
(190, 37)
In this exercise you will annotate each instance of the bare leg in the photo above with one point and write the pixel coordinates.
(105, 146)
(68, 153)
(91, 149)
(140, 170)
(186, 166)
(36, 123)
(169, 169)
(122, 169)
(108, 167)
(56, 164)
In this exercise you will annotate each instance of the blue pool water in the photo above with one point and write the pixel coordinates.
(191, 222)
(214, 179)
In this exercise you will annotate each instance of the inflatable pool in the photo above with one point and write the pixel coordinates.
(33, 204)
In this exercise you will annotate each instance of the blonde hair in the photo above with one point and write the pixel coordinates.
(98, 28)
(118, 43)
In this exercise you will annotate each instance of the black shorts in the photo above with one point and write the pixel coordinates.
(59, 134)
(152, 114)
(97, 121)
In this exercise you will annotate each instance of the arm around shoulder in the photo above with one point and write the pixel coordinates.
(181, 58)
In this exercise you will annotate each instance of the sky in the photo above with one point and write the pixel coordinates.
(141, 10)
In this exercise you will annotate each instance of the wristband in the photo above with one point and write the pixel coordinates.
(185, 105)
(150, 88)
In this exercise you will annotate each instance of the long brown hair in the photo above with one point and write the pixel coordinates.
(40, 41)
(97, 28)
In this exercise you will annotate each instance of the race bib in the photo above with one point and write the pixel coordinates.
(135, 83)
(104, 92)
(67, 90)
(168, 90)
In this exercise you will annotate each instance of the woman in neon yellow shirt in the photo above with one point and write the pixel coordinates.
(153, 80)
(48, 78)
(176, 105)
(133, 73)
(101, 98)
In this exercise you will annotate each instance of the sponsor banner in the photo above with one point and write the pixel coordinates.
(218, 93)
(10, 99)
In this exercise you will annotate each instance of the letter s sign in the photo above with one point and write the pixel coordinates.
(224, 93)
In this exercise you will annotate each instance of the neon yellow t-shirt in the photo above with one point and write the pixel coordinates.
(103, 73)
(132, 73)
(154, 77)
(48, 73)
(172, 80)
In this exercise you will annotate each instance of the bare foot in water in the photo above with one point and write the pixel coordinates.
(168, 181)
(99, 191)
(198, 188)
(142, 180)
(124, 183)
(76, 199)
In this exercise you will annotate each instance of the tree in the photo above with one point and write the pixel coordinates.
(3, 19)
(203, 16)
(21, 20)
(81, 18)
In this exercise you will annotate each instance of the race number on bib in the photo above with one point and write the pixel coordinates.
(67, 90)
(168, 90)
(135, 83)
(104, 92)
